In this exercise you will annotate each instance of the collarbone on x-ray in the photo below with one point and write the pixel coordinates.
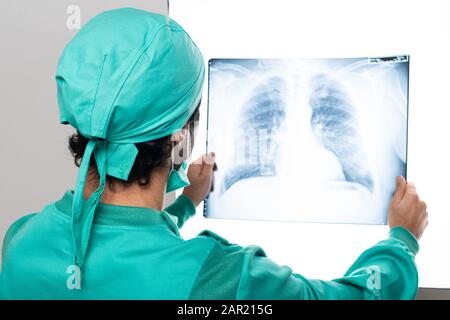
(314, 140)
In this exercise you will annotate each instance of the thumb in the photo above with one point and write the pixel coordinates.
(400, 189)
(208, 161)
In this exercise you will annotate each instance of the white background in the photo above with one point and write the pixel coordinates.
(344, 28)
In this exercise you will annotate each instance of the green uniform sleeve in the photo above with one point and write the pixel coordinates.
(182, 208)
(385, 271)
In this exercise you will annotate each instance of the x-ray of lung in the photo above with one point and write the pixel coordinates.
(311, 140)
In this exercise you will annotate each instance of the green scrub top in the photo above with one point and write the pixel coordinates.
(138, 253)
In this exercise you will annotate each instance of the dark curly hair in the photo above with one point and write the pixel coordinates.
(151, 155)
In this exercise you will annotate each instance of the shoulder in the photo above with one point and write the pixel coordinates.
(14, 229)
(226, 247)
(221, 271)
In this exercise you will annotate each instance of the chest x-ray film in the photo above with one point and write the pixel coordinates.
(310, 140)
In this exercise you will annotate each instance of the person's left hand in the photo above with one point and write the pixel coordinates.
(200, 174)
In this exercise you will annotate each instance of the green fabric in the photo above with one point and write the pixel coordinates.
(13, 230)
(407, 237)
(134, 253)
(182, 209)
(220, 275)
(137, 253)
(128, 76)
(177, 179)
(129, 216)
(385, 271)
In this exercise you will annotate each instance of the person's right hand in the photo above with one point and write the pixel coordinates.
(407, 210)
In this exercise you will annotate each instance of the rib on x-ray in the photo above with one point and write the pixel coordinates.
(314, 140)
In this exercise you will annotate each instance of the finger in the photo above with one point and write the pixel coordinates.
(400, 189)
(423, 206)
(411, 192)
(208, 161)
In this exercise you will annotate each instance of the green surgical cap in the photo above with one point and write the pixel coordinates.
(128, 76)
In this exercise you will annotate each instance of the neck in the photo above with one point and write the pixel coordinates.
(134, 195)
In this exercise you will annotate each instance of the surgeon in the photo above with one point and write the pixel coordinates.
(130, 83)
